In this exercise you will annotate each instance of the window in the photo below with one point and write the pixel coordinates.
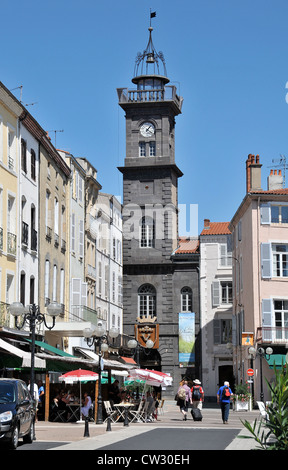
(152, 149)
(142, 149)
(23, 156)
(280, 260)
(222, 293)
(222, 331)
(186, 299)
(147, 232)
(279, 214)
(147, 301)
(281, 319)
(227, 295)
(11, 154)
(46, 286)
(33, 165)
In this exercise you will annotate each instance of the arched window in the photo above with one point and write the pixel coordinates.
(186, 299)
(147, 301)
(147, 232)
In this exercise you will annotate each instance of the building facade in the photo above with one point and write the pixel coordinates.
(216, 292)
(260, 234)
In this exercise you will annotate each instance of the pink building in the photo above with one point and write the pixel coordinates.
(260, 273)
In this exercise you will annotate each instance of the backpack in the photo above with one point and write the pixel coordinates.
(181, 393)
(226, 392)
(196, 395)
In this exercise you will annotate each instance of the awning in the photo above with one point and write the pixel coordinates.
(25, 356)
(47, 347)
(278, 360)
(108, 363)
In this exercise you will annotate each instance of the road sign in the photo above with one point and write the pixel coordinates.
(250, 372)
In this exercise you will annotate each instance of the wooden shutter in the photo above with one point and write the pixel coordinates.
(265, 214)
(215, 293)
(267, 319)
(266, 260)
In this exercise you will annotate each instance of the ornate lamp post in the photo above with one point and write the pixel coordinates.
(32, 316)
(261, 353)
(99, 338)
(133, 344)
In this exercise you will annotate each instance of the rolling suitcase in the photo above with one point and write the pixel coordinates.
(196, 414)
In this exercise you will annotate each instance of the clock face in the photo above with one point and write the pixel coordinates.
(147, 129)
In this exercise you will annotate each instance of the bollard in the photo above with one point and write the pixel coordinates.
(108, 428)
(126, 422)
(86, 430)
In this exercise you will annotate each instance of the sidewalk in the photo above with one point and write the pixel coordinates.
(70, 436)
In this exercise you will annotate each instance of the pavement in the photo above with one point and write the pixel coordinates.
(70, 436)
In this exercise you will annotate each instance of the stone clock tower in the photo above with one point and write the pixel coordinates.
(150, 209)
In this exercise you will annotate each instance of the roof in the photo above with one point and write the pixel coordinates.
(283, 191)
(216, 228)
(187, 245)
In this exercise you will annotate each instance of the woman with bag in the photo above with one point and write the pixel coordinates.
(184, 397)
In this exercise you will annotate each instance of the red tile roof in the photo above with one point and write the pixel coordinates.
(216, 228)
(187, 245)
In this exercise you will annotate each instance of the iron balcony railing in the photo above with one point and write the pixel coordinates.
(11, 243)
(272, 335)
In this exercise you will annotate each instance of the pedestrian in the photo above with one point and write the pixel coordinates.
(41, 398)
(197, 394)
(86, 405)
(35, 397)
(223, 397)
(184, 398)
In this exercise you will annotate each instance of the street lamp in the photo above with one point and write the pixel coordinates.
(261, 353)
(133, 344)
(100, 339)
(32, 316)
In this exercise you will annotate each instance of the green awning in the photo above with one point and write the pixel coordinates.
(47, 346)
(276, 359)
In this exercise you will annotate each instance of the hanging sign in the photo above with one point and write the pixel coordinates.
(247, 339)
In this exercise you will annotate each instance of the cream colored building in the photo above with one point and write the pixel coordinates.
(10, 111)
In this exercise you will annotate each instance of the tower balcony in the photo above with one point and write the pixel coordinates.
(157, 95)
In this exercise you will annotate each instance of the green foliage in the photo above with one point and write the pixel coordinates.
(274, 434)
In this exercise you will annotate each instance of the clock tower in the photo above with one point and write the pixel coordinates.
(150, 210)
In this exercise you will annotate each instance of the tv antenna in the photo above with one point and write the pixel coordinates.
(21, 93)
(55, 132)
(280, 163)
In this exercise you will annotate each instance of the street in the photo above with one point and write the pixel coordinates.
(168, 433)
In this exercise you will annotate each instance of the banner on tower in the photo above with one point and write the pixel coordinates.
(186, 339)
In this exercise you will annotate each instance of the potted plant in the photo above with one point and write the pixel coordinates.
(241, 398)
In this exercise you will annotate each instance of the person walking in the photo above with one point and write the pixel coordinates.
(197, 393)
(184, 397)
(223, 397)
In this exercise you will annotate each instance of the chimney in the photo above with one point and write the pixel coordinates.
(206, 224)
(275, 180)
(253, 173)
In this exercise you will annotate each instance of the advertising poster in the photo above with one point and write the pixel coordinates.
(186, 339)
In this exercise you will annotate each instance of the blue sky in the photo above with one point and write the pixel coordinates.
(228, 58)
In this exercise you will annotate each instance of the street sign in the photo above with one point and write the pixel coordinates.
(250, 372)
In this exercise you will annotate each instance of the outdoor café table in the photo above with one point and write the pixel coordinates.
(74, 408)
(121, 408)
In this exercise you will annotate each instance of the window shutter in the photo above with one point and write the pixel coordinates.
(266, 260)
(267, 313)
(76, 295)
(215, 293)
(81, 238)
(84, 294)
(217, 331)
(265, 213)
(73, 233)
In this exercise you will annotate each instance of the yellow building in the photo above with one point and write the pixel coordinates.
(10, 110)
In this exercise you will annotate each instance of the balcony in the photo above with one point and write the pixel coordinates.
(272, 335)
(168, 93)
